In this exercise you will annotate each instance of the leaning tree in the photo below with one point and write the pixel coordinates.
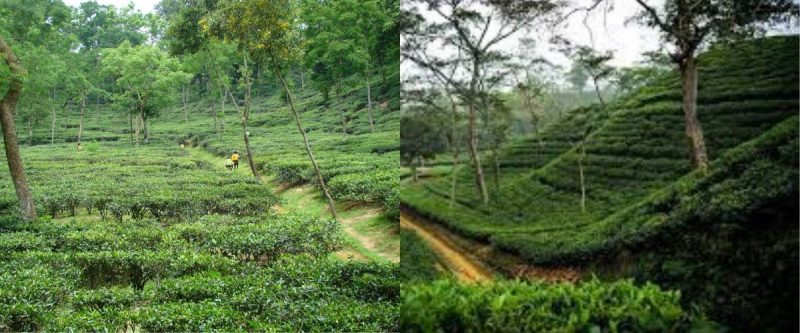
(267, 31)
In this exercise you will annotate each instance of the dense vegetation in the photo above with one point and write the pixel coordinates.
(126, 131)
(509, 306)
(647, 214)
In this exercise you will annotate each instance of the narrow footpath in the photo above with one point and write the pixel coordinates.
(462, 266)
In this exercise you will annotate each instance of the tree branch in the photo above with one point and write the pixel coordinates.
(654, 15)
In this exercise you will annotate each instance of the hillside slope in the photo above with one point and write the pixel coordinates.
(639, 185)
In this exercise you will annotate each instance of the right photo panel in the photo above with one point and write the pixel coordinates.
(599, 166)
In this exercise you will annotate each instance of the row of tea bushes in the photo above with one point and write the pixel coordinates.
(292, 294)
(513, 306)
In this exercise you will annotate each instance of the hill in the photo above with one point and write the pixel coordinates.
(641, 191)
(155, 236)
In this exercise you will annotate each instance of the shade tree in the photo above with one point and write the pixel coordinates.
(266, 31)
(147, 78)
(473, 29)
(688, 25)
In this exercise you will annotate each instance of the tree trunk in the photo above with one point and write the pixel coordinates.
(7, 107)
(53, 125)
(473, 137)
(307, 146)
(454, 146)
(245, 118)
(599, 96)
(30, 132)
(369, 103)
(214, 111)
(496, 169)
(145, 131)
(302, 79)
(138, 127)
(414, 175)
(130, 123)
(694, 131)
(222, 108)
(184, 98)
(97, 107)
(80, 124)
(582, 154)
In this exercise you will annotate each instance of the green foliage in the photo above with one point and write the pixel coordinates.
(148, 78)
(418, 263)
(591, 306)
(28, 296)
(684, 230)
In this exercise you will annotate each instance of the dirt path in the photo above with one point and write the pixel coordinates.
(349, 226)
(373, 243)
(463, 267)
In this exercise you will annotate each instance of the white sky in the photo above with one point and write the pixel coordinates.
(609, 33)
(146, 6)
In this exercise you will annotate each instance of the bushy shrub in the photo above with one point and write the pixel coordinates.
(592, 306)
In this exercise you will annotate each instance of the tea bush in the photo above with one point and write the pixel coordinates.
(510, 306)
(641, 189)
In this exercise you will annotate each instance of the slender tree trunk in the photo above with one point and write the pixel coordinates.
(246, 112)
(473, 137)
(597, 91)
(496, 169)
(130, 123)
(97, 107)
(302, 78)
(138, 127)
(307, 146)
(581, 155)
(245, 118)
(145, 131)
(30, 132)
(339, 99)
(213, 111)
(453, 142)
(53, 125)
(414, 175)
(694, 131)
(80, 124)
(7, 107)
(222, 109)
(369, 103)
(184, 98)
(65, 118)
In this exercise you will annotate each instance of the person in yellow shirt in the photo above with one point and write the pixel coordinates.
(235, 159)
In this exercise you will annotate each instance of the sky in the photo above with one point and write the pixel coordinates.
(146, 6)
(604, 29)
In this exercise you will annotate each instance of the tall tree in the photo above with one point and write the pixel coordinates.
(475, 28)
(8, 106)
(148, 79)
(266, 31)
(688, 24)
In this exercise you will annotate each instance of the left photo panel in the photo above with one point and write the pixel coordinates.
(198, 165)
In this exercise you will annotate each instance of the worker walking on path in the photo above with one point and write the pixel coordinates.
(235, 159)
